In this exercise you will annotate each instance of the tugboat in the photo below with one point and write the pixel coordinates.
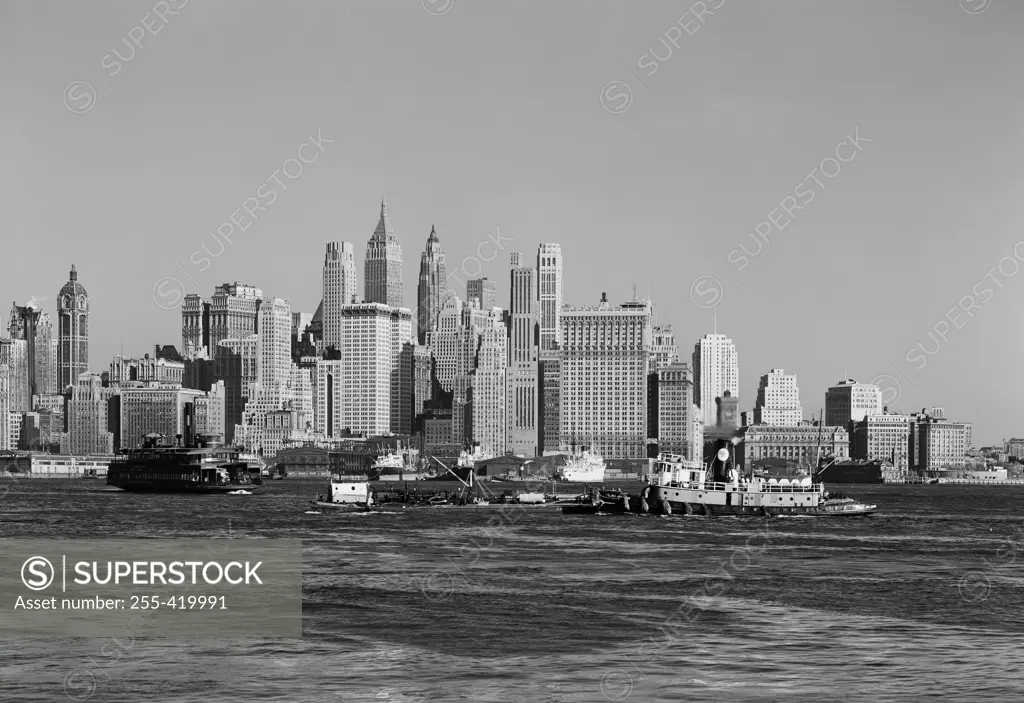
(207, 467)
(688, 487)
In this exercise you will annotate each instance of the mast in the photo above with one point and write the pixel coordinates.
(817, 458)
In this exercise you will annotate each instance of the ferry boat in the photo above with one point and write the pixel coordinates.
(583, 466)
(208, 467)
(685, 486)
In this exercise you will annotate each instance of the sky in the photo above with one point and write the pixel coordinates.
(649, 142)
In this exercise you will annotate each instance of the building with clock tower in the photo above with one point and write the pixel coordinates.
(72, 332)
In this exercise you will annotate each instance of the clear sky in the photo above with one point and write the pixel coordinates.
(477, 115)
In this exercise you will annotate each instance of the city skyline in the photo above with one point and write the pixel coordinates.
(634, 198)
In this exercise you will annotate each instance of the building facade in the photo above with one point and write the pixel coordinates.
(232, 313)
(605, 361)
(484, 291)
(883, 437)
(72, 332)
(382, 275)
(549, 278)
(675, 410)
(522, 374)
(338, 288)
(88, 417)
(849, 401)
(164, 411)
(14, 356)
(778, 400)
(798, 444)
(148, 370)
(715, 370)
(432, 289)
(550, 402)
(487, 384)
(30, 324)
(664, 350)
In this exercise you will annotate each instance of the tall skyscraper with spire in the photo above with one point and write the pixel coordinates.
(522, 377)
(432, 289)
(549, 270)
(338, 288)
(383, 268)
(72, 332)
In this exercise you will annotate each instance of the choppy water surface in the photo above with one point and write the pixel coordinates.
(922, 600)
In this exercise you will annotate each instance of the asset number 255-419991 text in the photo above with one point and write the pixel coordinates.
(179, 603)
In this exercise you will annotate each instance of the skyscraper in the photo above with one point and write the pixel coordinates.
(549, 274)
(488, 385)
(375, 392)
(675, 410)
(849, 401)
(665, 351)
(230, 314)
(483, 291)
(338, 288)
(32, 325)
(273, 373)
(778, 400)
(522, 377)
(383, 267)
(88, 420)
(72, 332)
(605, 361)
(433, 287)
(715, 370)
(14, 356)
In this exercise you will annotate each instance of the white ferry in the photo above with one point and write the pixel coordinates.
(682, 486)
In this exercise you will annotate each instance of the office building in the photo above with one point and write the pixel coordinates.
(605, 362)
(484, 291)
(549, 403)
(72, 332)
(884, 437)
(338, 288)
(849, 402)
(30, 324)
(383, 266)
(231, 313)
(148, 370)
(664, 351)
(549, 278)
(522, 375)
(715, 370)
(15, 357)
(88, 417)
(432, 289)
(778, 400)
(488, 422)
(675, 410)
(164, 411)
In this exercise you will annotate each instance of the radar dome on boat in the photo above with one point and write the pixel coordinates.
(723, 454)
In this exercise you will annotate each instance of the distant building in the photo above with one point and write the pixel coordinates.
(488, 391)
(30, 324)
(798, 444)
(147, 370)
(849, 401)
(235, 364)
(522, 376)
(230, 314)
(942, 444)
(882, 437)
(432, 289)
(164, 411)
(14, 356)
(72, 332)
(675, 411)
(422, 380)
(484, 291)
(664, 350)
(549, 289)
(549, 403)
(88, 417)
(778, 400)
(338, 288)
(605, 361)
(715, 370)
(382, 276)
(1015, 448)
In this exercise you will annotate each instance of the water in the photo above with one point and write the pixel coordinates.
(919, 601)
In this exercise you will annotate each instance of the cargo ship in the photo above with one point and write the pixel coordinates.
(160, 467)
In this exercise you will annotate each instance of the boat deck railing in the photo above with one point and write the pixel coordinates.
(763, 488)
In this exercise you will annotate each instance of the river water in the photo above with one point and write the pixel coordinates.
(921, 600)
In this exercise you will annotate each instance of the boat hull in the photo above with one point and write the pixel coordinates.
(343, 507)
(685, 501)
(177, 487)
